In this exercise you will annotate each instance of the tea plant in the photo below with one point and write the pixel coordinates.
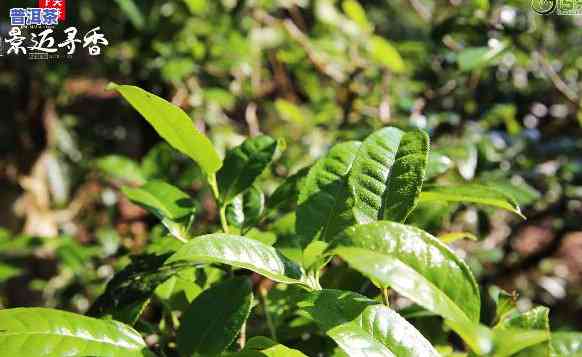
(351, 206)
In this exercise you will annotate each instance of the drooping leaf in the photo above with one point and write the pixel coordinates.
(246, 209)
(127, 294)
(206, 331)
(416, 265)
(240, 252)
(471, 193)
(121, 168)
(44, 332)
(362, 327)
(162, 199)
(321, 212)
(243, 164)
(522, 193)
(173, 125)
(387, 175)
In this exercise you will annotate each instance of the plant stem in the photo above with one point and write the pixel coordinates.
(269, 318)
(222, 207)
(386, 296)
(242, 338)
(223, 221)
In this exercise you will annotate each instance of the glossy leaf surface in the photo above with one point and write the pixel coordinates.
(162, 199)
(246, 209)
(44, 332)
(173, 125)
(240, 252)
(415, 264)
(362, 327)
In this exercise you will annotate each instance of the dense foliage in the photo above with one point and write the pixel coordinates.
(333, 178)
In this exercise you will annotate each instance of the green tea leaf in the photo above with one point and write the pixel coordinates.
(356, 13)
(535, 325)
(455, 236)
(208, 331)
(387, 174)
(173, 125)
(477, 57)
(322, 212)
(565, 344)
(270, 348)
(133, 13)
(162, 199)
(240, 252)
(288, 191)
(43, 332)
(437, 164)
(130, 290)
(243, 164)
(415, 264)
(246, 209)
(384, 53)
(471, 193)
(362, 327)
(120, 168)
(8, 271)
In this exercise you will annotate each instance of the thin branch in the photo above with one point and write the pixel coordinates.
(560, 85)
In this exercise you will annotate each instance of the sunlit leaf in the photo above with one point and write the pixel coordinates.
(322, 212)
(173, 125)
(120, 168)
(239, 252)
(470, 193)
(162, 199)
(384, 53)
(44, 332)
(387, 175)
(362, 327)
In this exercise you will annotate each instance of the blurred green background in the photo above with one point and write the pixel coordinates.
(496, 85)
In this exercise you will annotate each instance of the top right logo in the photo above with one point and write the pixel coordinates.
(557, 7)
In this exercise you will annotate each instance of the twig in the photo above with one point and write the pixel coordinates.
(560, 85)
(318, 59)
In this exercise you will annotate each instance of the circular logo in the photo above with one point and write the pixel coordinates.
(544, 7)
